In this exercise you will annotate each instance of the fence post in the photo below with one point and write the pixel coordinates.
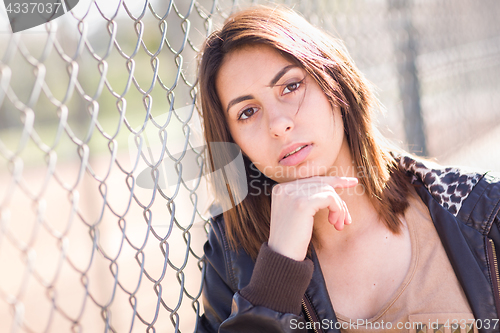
(409, 85)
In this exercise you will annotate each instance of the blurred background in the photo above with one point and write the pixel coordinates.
(95, 103)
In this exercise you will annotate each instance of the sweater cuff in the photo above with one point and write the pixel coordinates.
(278, 282)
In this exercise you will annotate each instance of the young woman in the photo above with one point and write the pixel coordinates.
(337, 232)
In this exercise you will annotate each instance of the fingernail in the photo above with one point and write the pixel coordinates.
(350, 179)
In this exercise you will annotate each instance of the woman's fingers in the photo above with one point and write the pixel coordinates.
(348, 218)
(326, 197)
(340, 213)
(325, 189)
(294, 205)
(341, 182)
(335, 182)
(335, 218)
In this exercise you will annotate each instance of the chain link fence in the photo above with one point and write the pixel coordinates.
(103, 215)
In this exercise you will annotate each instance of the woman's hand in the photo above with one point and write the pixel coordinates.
(293, 207)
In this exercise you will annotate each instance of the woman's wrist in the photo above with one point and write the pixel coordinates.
(292, 252)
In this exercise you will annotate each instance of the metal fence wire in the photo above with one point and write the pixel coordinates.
(103, 206)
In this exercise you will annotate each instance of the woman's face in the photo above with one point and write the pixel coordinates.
(273, 107)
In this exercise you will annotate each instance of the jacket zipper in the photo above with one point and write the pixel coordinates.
(495, 276)
(311, 314)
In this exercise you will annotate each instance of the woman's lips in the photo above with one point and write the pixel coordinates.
(297, 157)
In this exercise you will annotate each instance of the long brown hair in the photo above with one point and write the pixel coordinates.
(328, 62)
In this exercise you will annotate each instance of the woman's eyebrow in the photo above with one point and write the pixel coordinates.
(238, 100)
(282, 72)
(275, 79)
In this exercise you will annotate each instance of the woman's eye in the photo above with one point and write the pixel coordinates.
(291, 87)
(247, 113)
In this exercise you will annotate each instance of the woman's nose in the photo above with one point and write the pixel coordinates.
(280, 121)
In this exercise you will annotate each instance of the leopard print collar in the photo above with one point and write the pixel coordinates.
(449, 186)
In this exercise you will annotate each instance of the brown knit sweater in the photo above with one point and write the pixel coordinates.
(278, 282)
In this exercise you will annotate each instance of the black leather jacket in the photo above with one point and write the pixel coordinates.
(465, 210)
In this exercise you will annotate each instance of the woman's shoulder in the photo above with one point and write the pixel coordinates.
(234, 265)
(462, 191)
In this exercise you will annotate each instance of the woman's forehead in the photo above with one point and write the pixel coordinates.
(253, 57)
(248, 65)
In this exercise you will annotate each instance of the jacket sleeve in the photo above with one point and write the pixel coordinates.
(494, 234)
(270, 302)
(488, 208)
